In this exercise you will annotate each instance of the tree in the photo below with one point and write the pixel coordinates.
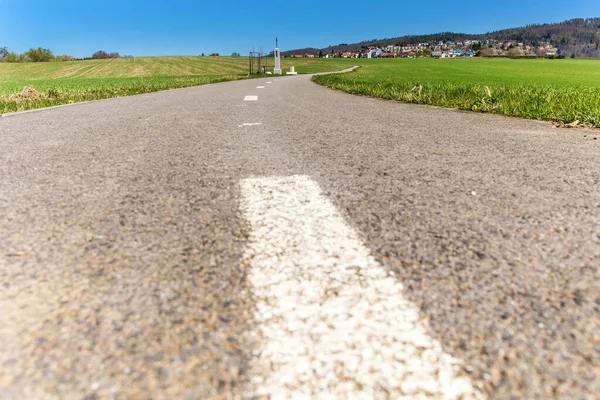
(597, 40)
(13, 57)
(39, 55)
(114, 55)
(3, 52)
(476, 46)
(514, 52)
(486, 52)
(234, 54)
(320, 53)
(100, 55)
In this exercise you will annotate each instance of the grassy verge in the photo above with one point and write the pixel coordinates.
(554, 90)
(67, 91)
(57, 83)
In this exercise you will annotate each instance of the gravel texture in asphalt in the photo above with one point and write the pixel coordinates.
(123, 237)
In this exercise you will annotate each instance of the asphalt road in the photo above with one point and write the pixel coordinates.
(135, 234)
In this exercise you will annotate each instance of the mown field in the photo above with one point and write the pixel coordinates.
(554, 90)
(55, 83)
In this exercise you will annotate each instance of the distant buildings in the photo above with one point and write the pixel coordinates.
(447, 49)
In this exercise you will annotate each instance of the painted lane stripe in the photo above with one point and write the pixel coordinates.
(251, 98)
(269, 83)
(260, 87)
(249, 124)
(331, 321)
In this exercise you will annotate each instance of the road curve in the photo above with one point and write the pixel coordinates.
(137, 234)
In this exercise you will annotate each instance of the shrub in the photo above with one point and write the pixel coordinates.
(100, 55)
(39, 55)
(14, 57)
(63, 58)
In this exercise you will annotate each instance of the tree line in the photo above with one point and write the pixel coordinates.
(46, 55)
(32, 55)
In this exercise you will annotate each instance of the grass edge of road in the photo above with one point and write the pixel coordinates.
(26, 94)
(32, 99)
(565, 106)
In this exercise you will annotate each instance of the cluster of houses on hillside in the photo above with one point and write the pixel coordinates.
(448, 49)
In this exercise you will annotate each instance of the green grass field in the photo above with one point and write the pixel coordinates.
(58, 83)
(555, 90)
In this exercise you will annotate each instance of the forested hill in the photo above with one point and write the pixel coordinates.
(572, 36)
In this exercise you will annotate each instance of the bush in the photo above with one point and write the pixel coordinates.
(100, 55)
(39, 55)
(63, 58)
(14, 57)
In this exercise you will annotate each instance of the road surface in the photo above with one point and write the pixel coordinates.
(275, 238)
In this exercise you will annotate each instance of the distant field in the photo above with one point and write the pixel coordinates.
(555, 90)
(57, 83)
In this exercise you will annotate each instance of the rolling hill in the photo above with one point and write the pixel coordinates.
(572, 36)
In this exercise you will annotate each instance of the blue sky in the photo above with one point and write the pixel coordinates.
(191, 27)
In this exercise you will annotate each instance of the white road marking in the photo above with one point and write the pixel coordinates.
(249, 124)
(251, 98)
(332, 322)
(269, 82)
(260, 87)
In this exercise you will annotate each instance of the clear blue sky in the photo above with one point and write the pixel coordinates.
(191, 27)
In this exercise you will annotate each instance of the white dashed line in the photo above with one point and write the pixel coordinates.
(332, 322)
(249, 124)
(251, 98)
(260, 87)
(269, 82)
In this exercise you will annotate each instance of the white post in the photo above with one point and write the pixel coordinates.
(277, 69)
(292, 71)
